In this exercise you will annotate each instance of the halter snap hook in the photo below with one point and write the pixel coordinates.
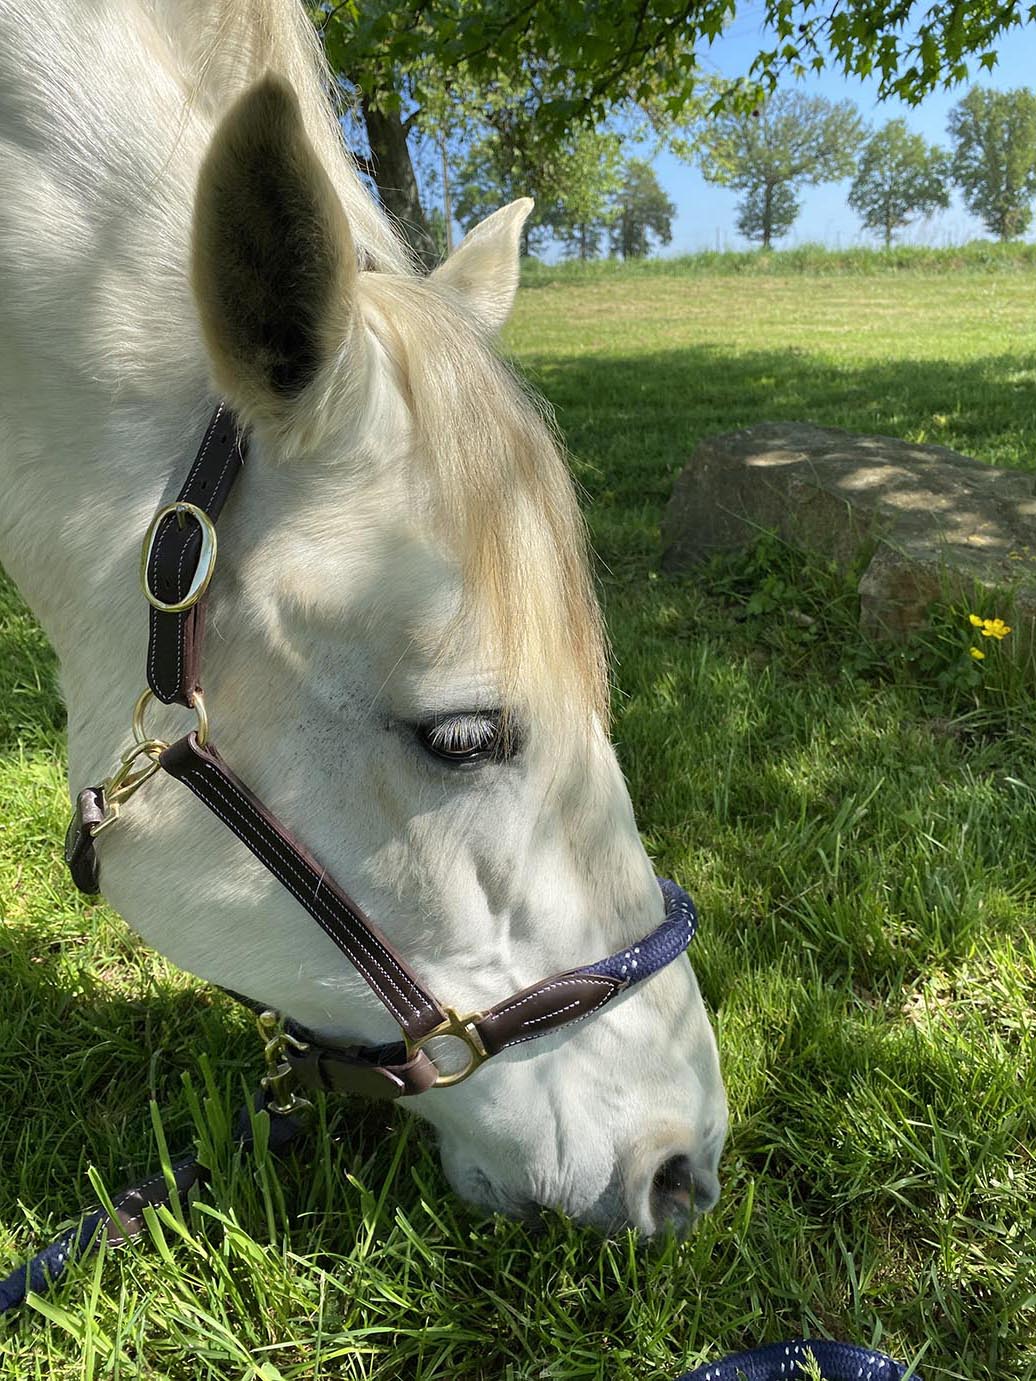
(280, 1081)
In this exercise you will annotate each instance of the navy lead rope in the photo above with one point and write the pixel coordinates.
(41, 1274)
(46, 1268)
(776, 1362)
(787, 1362)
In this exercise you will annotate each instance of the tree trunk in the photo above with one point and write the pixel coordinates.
(447, 205)
(888, 235)
(583, 250)
(767, 216)
(396, 181)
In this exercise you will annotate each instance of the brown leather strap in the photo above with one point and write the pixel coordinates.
(382, 1072)
(387, 973)
(544, 1006)
(130, 1204)
(390, 1072)
(175, 640)
(376, 1072)
(80, 855)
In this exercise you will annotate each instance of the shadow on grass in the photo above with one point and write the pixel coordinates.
(82, 1059)
(86, 1052)
(31, 711)
(631, 421)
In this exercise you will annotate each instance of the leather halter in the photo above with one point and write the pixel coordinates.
(177, 563)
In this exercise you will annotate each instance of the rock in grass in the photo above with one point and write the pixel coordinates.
(922, 522)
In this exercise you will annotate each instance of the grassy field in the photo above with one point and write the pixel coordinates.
(859, 831)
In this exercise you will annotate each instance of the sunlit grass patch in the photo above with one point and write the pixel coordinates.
(859, 837)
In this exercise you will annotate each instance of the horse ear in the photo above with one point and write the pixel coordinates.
(483, 269)
(274, 266)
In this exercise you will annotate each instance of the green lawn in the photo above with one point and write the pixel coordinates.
(861, 839)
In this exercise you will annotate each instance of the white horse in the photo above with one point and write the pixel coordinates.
(403, 550)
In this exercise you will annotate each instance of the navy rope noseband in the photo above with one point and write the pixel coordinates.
(664, 944)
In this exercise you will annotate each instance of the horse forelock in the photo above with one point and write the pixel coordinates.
(503, 494)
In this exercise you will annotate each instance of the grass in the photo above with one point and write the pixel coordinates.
(860, 839)
(814, 260)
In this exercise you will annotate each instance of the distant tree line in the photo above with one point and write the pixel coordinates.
(586, 197)
(770, 153)
(592, 202)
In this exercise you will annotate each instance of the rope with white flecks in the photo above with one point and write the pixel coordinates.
(788, 1362)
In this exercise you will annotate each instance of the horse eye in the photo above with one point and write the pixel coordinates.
(467, 736)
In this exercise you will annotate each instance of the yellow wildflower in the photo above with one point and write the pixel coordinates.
(991, 628)
(977, 653)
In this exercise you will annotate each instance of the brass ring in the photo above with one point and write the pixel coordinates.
(121, 785)
(206, 557)
(462, 1028)
(149, 744)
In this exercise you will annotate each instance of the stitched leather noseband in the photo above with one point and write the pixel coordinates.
(177, 563)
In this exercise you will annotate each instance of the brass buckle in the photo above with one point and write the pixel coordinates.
(280, 1080)
(206, 557)
(464, 1029)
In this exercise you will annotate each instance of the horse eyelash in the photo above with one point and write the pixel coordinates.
(463, 732)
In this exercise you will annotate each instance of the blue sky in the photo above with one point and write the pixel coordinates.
(706, 214)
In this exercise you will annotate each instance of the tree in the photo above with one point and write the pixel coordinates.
(420, 68)
(401, 61)
(585, 240)
(899, 177)
(642, 210)
(766, 213)
(486, 178)
(588, 179)
(912, 48)
(572, 180)
(793, 141)
(994, 157)
(437, 229)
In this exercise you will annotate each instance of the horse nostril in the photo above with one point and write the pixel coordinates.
(678, 1194)
(671, 1191)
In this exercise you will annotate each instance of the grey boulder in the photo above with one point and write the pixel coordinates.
(924, 522)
